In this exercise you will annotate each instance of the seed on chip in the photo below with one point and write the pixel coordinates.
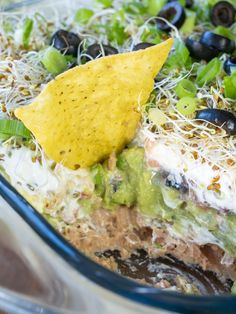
(92, 110)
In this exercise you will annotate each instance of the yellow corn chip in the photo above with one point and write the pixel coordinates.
(88, 112)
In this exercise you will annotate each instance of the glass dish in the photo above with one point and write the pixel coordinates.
(57, 278)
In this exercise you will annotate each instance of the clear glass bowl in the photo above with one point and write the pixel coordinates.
(42, 273)
(63, 280)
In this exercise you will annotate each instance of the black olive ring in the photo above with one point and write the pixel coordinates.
(216, 41)
(142, 46)
(223, 13)
(66, 42)
(200, 51)
(221, 118)
(174, 13)
(95, 51)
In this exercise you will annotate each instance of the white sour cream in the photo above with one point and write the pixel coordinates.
(197, 173)
(51, 191)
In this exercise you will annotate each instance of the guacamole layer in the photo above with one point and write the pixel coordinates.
(129, 182)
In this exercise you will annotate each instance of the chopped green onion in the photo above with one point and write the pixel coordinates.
(188, 26)
(53, 61)
(139, 20)
(105, 3)
(151, 35)
(157, 116)
(4, 137)
(230, 86)
(203, 12)
(10, 128)
(223, 31)
(27, 29)
(134, 7)
(83, 15)
(187, 105)
(116, 29)
(154, 6)
(118, 16)
(185, 88)
(208, 72)
(181, 52)
(179, 58)
(116, 33)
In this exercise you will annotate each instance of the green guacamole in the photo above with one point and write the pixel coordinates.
(131, 184)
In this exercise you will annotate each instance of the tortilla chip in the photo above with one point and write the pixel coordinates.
(92, 110)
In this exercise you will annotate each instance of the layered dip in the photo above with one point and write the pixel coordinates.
(169, 190)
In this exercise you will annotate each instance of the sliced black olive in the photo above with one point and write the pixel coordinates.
(200, 51)
(142, 46)
(188, 3)
(174, 13)
(216, 41)
(223, 13)
(66, 42)
(95, 51)
(222, 118)
(230, 65)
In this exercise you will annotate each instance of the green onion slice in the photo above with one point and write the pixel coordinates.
(83, 15)
(223, 31)
(189, 24)
(179, 58)
(117, 33)
(154, 6)
(27, 29)
(230, 86)
(53, 61)
(10, 128)
(157, 116)
(106, 3)
(185, 88)
(135, 8)
(208, 72)
(151, 34)
(4, 137)
(187, 105)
